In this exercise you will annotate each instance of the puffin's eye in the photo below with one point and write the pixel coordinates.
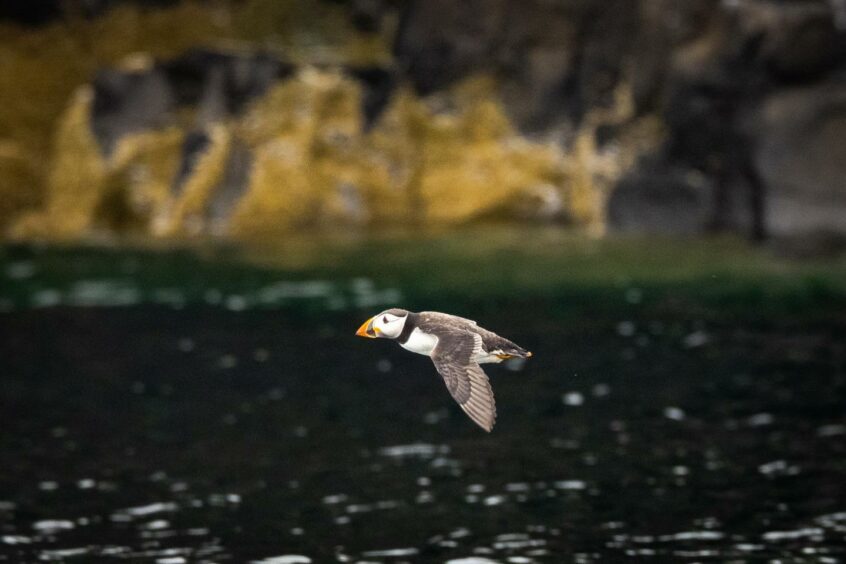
(385, 319)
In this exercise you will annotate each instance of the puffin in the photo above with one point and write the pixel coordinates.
(457, 346)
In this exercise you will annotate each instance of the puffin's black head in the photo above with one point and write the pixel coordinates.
(387, 325)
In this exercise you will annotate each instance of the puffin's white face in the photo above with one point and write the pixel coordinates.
(388, 325)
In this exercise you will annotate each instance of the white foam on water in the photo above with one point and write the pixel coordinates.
(283, 291)
(472, 560)
(102, 293)
(143, 510)
(674, 413)
(50, 526)
(20, 270)
(693, 535)
(46, 298)
(831, 430)
(573, 399)
(391, 552)
(626, 328)
(760, 420)
(335, 498)
(696, 339)
(420, 450)
(62, 553)
(703, 553)
(832, 519)
(601, 390)
(15, 539)
(570, 485)
(778, 467)
(285, 559)
(518, 544)
(494, 500)
(169, 296)
(512, 536)
(748, 547)
(459, 533)
(777, 536)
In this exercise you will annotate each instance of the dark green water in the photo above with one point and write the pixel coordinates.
(685, 403)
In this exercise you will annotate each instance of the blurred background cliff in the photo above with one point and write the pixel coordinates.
(255, 119)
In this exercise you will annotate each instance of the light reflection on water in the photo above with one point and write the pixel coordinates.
(358, 293)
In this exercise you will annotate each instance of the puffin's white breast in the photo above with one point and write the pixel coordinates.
(420, 342)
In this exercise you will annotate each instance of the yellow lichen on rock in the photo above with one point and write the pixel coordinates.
(393, 150)
(306, 133)
(475, 164)
(281, 129)
(76, 179)
(19, 181)
(449, 159)
(41, 68)
(85, 189)
(591, 171)
(280, 196)
(316, 165)
(144, 167)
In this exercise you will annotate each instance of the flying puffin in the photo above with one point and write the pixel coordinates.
(457, 346)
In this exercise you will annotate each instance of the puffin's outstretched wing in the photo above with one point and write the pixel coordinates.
(466, 381)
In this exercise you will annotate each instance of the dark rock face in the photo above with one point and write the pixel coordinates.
(129, 102)
(234, 78)
(705, 66)
(802, 158)
(379, 84)
(557, 58)
(674, 202)
(232, 186)
(218, 84)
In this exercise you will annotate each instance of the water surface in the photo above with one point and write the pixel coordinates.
(162, 408)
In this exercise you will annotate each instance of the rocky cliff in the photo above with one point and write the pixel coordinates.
(262, 118)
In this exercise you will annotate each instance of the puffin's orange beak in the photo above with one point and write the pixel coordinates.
(367, 330)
